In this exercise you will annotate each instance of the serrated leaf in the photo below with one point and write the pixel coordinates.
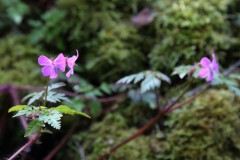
(138, 77)
(52, 118)
(67, 110)
(24, 112)
(64, 109)
(56, 85)
(83, 114)
(33, 126)
(55, 97)
(126, 79)
(182, 71)
(150, 82)
(17, 108)
(163, 77)
(28, 96)
(35, 96)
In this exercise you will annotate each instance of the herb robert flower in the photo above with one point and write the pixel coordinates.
(208, 68)
(51, 66)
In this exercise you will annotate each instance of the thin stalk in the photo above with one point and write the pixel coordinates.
(31, 141)
(179, 97)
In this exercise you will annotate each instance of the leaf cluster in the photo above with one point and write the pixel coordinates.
(39, 116)
(52, 96)
(149, 80)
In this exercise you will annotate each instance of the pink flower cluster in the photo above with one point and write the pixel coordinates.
(51, 66)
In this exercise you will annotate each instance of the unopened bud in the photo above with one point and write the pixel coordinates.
(191, 72)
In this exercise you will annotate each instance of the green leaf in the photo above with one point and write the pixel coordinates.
(27, 111)
(150, 82)
(163, 77)
(55, 97)
(182, 71)
(64, 109)
(83, 114)
(35, 96)
(127, 79)
(33, 126)
(105, 87)
(52, 117)
(56, 85)
(17, 108)
(67, 110)
(138, 77)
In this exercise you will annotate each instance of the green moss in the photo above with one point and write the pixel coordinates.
(112, 130)
(19, 64)
(206, 129)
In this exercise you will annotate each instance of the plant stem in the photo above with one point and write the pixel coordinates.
(180, 96)
(31, 141)
(46, 93)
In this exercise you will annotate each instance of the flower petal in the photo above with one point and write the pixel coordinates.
(60, 62)
(46, 70)
(71, 61)
(43, 61)
(215, 68)
(69, 72)
(54, 73)
(205, 62)
(214, 63)
(210, 76)
(203, 73)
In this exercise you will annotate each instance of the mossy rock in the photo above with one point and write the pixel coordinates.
(206, 129)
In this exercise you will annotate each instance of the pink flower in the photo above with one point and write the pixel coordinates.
(50, 66)
(208, 68)
(71, 64)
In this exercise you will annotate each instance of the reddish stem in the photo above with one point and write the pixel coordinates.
(147, 126)
(31, 141)
(21, 149)
(139, 132)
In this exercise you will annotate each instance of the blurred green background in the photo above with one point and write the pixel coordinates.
(116, 38)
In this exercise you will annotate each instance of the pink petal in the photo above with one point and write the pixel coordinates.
(60, 62)
(69, 72)
(43, 61)
(205, 62)
(46, 70)
(210, 76)
(215, 68)
(71, 61)
(214, 63)
(203, 73)
(54, 73)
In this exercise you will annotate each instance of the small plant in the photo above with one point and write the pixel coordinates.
(40, 115)
(151, 81)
